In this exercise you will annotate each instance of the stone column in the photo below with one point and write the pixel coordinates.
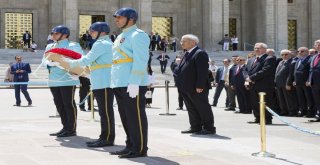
(225, 16)
(281, 15)
(314, 21)
(55, 16)
(212, 15)
(270, 23)
(71, 18)
(143, 8)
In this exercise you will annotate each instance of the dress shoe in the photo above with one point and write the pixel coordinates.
(190, 131)
(100, 143)
(214, 105)
(317, 120)
(18, 105)
(230, 109)
(67, 134)
(133, 155)
(29, 103)
(179, 108)
(300, 114)
(120, 152)
(254, 122)
(206, 132)
(83, 109)
(268, 122)
(310, 114)
(94, 141)
(57, 133)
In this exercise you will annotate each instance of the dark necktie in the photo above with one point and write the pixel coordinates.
(255, 62)
(280, 66)
(238, 70)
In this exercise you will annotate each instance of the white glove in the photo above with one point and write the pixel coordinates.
(74, 77)
(52, 63)
(133, 90)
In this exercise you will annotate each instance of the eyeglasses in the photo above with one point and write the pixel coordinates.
(256, 48)
(300, 51)
(284, 54)
(240, 60)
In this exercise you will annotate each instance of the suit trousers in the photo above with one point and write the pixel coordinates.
(63, 98)
(254, 98)
(104, 99)
(163, 66)
(23, 89)
(287, 100)
(199, 110)
(218, 91)
(316, 98)
(180, 99)
(231, 97)
(133, 117)
(243, 97)
(305, 100)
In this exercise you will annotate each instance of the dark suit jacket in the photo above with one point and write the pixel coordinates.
(237, 79)
(314, 75)
(301, 73)
(192, 72)
(219, 74)
(262, 73)
(232, 70)
(20, 77)
(282, 73)
(166, 57)
(24, 37)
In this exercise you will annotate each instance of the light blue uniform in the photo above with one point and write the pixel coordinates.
(100, 60)
(135, 44)
(57, 76)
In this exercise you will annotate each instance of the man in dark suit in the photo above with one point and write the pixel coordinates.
(301, 74)
(163, 58)
(236, 82)
(260, 72)
(221, 76)
(20, 73)
(157, 41)
(231, 92)
(193, 82)
(174, 66)
(283, 86)
(26, 39)
(314, 79)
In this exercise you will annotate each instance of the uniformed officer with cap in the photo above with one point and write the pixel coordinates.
(100, 60)
(129, 82)
(62, 84)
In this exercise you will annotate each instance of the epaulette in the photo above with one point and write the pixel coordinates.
(140, 31)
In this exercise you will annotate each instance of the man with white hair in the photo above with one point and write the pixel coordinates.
(193, 81)
(260, 73)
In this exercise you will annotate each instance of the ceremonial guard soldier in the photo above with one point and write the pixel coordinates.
(62, 84)
(100, 60)
(129, 82)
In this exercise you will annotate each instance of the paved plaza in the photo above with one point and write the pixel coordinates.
(25, 137)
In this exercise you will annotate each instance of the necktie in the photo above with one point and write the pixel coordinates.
(255, 62)
(185, 57)
(162, 57)
(280, 66)
(299, 62)
(238, 70)
(316, 60)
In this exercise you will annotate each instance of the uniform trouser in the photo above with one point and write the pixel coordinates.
(231, 97)
(218, 91)
(180, 99)
(84, 90)
(199, 110)
(63, 98)
(305, 99)
(105, 103)
(254, 97)
(316, 98)
(133, 117)
(23, 89)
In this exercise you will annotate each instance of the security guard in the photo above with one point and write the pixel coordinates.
(62, 84)
(129, 82)
(100, 60)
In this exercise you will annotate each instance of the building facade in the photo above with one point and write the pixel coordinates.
(279, 23)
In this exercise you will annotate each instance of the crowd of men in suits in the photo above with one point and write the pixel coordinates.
(291, 83)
